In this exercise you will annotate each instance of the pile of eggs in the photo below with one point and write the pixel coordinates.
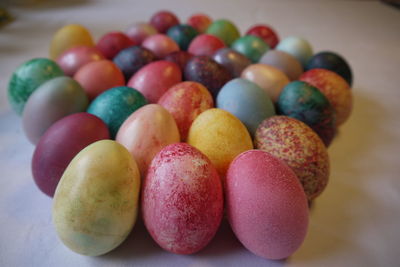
(188, 122)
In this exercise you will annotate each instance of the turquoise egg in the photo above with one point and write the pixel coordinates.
(297, 47)
(251, 46)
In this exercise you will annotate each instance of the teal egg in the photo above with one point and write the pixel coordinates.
(251, 46)
(297, 47)
(224, 30)
(27, 78)
(182, 34)
(115, 105)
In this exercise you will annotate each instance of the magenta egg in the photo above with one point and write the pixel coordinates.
(205, 45)
(74, 58)
(111, 43)
(160, 44)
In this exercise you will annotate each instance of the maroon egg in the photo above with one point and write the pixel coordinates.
(59, 145)
(205, 45)
(180, 58)
(233, 61)
(113, 42)
(266, 33)
(163, 20)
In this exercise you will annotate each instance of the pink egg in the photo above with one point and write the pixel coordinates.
(182, 199)
(199, 21)
(74, 58)
(205, 45)
(160, 44)
(145, 132)
(140, 31)
(111, 43)
(185, 101)
(266, 205)
(154, 79)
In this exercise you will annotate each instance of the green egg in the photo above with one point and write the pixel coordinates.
(251, 46)
(225, 30)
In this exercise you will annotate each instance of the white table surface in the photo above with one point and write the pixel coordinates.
(355, 222)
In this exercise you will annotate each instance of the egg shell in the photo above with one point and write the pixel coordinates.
(52, 101)
(293, 142)
(138, 32)
(220, 136)
(266, 205)
(132, 59)
(160, 44)
(199, 21)
(298, 47)
(163, 20)
(251, 46)
(154, 79)
(182, 34)
(335, 88)
(180, 58)
(182, 200)
(96, 202)
(233, 61)
(27, 78)
(269, 78)
(247, 101)
(205, 45)
(60, 144)
(146, 132)
(111, 43)
(98, 76)
(284, 62)
(266, 33)
(225, 30)
(185, 101)
(74, 58)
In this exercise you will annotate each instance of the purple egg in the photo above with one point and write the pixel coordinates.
(131, 59)
(233, 61)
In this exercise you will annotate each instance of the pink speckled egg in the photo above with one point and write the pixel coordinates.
(160, 44)
(266, 205)
(182, 199)
(299, 147)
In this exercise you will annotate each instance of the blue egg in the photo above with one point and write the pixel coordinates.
(247, 101)
(297, 47)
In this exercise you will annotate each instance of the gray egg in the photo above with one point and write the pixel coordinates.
(233, 61)
(284, 62)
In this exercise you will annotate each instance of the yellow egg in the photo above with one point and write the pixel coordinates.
(220, 136)
(67, 37)
(96, 201)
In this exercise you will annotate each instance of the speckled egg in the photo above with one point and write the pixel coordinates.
(132, 59)
(233, 61)
(160, 44)
(74, 58)
(182, 34)
(284, 62)
(251, 46)
(205, 45)
(225, 30)
(298, 47)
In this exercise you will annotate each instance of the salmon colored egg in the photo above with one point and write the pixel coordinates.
(160, 44)
(205, 45)
(113, 42)
(199, 21)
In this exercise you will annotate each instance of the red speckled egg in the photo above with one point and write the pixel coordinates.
(199, 21)
(154, 79)
(266, 33)
(113, 42)
(205, 45)
(299, 147)
(160, 44)
(140, 31)
(182, 199)
(185, 101)
(266, 205)
(163, 20)
(59, 145)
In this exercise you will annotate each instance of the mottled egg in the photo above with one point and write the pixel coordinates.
(205, 45)
(233, 61)
(266, 33)
(266, 205)
(182, 34)
(225, 30)
(60, 144)
(132, 59)
(251, 46)
(160, 44)
(182, 199)
(284, 62)
(180, 58)
(52, 101)
(111, 43)
(199, 21)
(297, 47)
(163, 20)
(138, 32)
(96, 201)
(74, 58)
(299, 147)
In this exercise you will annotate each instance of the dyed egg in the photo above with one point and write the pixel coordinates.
(335, 88)
(98, 76)
(333, 62)
(269, 78)
(297, 47)
(233, 61)
(52, 101)
(306, 103)
(74, 58)
(205, 45)
(220, 136)
(160, 44)
(266, 205)
(131, 59)
(209, 73)
(115, 105)
(284, 62)
(138, 32)
(182, 34)
(296, 144)
(154, 79)
(182, 199)
(247, 101)
(251, 46)
(185, 101)
(96, 201)
(225, 30)
(199, 21)
(266, 33)
(27, 77)
(146, 132)
(67, 37)
(60, 144)
(163, 20)
(180, 58)
(111, 43)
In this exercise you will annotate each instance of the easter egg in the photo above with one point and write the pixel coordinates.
(335, 88)
(98, 76)
(96, 201)
(220, 136)
(60, 144)
(111, 43)
(74, 58)
(115, 105)
(251, 46)
(306, 103)
(52, 101)
(131, 59)
(284, 62)
(296, 144)
(67, 37)
(146, 132)
(266, 33)
(266, 205)
(154, 79)
(297, 47)
(205, 45)
(225, 30)
(182, 199)
(333, 62)
(163, 20)
(185, 101)
(138, 32)
(199, 21)
(180, 58)
(27, 77)
(209, 73)
(182, 34)
(160, 44)
(233, 61)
